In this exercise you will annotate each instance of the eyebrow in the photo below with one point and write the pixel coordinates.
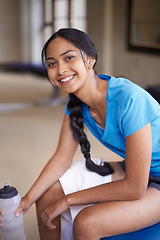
(60, 54)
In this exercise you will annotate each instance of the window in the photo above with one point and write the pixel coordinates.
(64, 13)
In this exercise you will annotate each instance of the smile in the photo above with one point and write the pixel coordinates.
(66, 79)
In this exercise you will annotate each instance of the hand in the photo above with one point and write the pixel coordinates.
(23, 206)
(1, 217)
(52, 211)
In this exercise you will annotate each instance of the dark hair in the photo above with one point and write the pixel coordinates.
(84, 43)
(80, 39)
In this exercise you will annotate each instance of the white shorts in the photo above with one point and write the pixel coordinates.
(77, 178)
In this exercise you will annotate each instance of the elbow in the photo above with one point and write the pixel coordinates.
(136, 191)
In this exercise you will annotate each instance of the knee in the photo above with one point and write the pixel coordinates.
(79, 224)
(41, 204)
(42, 200)
(83, 226)
(51, 195)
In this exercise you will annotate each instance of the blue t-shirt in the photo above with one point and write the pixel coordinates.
(128, 109)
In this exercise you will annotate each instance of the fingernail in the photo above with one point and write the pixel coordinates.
(17, 214)
(52, 227)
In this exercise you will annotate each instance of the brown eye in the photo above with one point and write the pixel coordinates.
(69, 57)
(52, 64)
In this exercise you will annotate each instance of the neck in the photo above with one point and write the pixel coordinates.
(93, 92)
(94, 95)
(88, 92)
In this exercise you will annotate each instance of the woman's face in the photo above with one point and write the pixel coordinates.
(66, 68)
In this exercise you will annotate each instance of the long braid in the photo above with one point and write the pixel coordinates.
(86, 46)
(77, 126)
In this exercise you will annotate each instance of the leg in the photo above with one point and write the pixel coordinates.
(53, 194)
(117, 217)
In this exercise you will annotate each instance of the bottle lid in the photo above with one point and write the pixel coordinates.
(8, 191)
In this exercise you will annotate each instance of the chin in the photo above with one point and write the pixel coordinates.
(69, 90)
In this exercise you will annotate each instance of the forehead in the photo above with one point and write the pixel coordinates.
(58, 46)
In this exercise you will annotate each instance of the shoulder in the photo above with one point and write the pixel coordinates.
(132, 105)
(122, 91)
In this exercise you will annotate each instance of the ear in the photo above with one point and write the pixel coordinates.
(91, 62)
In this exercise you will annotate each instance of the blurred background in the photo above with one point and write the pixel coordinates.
(127, 37)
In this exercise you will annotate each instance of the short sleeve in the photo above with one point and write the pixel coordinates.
(141, 109)
(66, 110)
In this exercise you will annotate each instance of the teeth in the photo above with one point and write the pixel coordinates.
(67, 79)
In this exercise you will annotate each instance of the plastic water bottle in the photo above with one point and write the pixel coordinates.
(12, 226)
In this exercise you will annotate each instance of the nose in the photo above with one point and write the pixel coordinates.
(62, 68)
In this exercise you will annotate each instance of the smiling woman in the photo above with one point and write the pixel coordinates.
(69, 67)
(89, 196)
(63, 65)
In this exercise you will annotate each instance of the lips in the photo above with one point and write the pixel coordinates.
(67, 79)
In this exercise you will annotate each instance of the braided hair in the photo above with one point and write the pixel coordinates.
(85, 45)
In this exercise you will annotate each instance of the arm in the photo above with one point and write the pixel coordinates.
(133, 186)
(54, 169)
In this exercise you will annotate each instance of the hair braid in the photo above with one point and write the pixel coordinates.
(86, 46)
(77, 126)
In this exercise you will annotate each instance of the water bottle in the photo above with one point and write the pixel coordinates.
(12, 226)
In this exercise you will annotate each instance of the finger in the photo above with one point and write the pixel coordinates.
(47, 221)
(44, 218)
(51, 226)
(1, 213)
(19, 210)
(1, 220)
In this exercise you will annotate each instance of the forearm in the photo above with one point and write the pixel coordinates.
(57, 165)
(134, 185)
(49, 175)
(114, 191)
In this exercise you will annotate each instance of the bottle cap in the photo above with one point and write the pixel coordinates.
(8, 191)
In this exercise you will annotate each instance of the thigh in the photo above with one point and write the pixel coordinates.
(117, 217)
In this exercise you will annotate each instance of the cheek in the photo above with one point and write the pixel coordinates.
(51, 75)
(79, 67)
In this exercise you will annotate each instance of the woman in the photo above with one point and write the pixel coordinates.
(121, 115)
